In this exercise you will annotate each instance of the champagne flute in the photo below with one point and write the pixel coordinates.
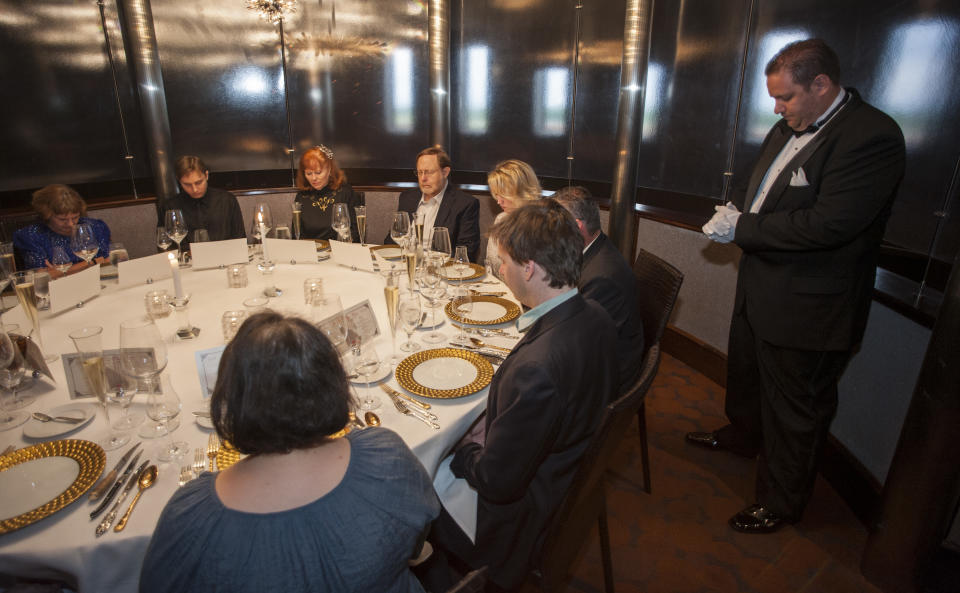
(367, 364)
(341, 221)
(409, 251)
(418, 229)
(361, 212)
(400, 227)
(88, 342)
(60, 259)
(23, 284)
(176, 228)
(295, 222)
(11, 373)
(391, 294)
(409, 311)
(83, 242)
(163, 239)
(163, 405)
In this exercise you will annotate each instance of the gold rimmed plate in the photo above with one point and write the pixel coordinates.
(444, 373)
(38, 481)
(453, 271)
(485, 310)
(227, 455)
(391, 252)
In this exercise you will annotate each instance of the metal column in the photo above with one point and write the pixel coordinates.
(438, 41)
(136, 20)
(636, 37)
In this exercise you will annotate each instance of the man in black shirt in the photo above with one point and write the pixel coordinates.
(204, 207)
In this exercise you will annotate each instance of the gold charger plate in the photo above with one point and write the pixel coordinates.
(475, 271)
(89, 457)
(511, 310)
(407, 368)
(388, 257)
(227, 455)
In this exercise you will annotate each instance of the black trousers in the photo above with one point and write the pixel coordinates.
(781, 402)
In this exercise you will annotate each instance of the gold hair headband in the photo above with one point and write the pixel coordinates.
(326, 151)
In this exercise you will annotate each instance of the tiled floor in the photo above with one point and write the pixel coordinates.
(677, 539)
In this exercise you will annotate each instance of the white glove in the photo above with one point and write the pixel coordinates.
(722, 227)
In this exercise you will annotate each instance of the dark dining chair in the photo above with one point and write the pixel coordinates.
(658, 284)
(585, 501)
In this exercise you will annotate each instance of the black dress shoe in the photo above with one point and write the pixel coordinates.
(704, 439)
(757, 518)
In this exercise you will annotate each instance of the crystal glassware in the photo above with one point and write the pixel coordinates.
(463, 306)
(340, 221)
(25, 287)
(11, 374)
(176, 228)
(89, 344)
(409, 312)
(60, 259)
(367, 363)
(441, 242)
(83, 242)
(163, 405)
(400, 227)
(433, 289)
(163, 239)
(361, 213)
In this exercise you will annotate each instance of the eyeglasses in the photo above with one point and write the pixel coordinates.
(422, 172)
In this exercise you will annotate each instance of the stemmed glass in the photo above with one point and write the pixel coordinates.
(400, 227)
(295, 221)
(462, 261)
(340, 221)
(88, 342)
(23, 283)
(143, 356)
(83, 242)
(462, 306)
(361, 222)
(121, 388)
(60, 259)
(163, 406)
(367, 364)
(6, 270)
(410, 259)
(11, 373)
(41, 287)
(433, 290)
(163, 239)
(261, 225)
(441, 242)
(328, 309)
(409, 312)
(391, 294)
(176, 228)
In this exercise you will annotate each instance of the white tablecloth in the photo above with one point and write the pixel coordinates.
(63, 546)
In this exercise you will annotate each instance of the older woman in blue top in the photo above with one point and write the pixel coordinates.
(61, 209)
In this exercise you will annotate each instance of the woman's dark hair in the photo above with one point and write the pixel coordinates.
(280, 386)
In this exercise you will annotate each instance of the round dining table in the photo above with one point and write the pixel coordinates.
(63, 546)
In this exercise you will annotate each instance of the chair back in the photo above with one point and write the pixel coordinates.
(584, 500)
(658, 284)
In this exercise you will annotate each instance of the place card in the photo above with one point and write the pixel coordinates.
(144, 270)
(77, 385)
(352, 255)
(282, 251)
(208, 361)
(359, 317)
(69, 291)
(218, 254)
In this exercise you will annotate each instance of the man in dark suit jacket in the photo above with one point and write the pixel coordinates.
(458, 211)
(813, 215)
(545, 400)
(607, 278)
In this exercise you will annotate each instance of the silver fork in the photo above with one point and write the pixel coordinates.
(186, 474)
(213, 447)
(403, 409)
(199, 461)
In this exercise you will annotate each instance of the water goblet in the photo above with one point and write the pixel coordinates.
(340, 221)
(163, 405)
(143, 356)
(462, 261)
(327, 311)
(121, 389)
(83, 242)
(441, 242)
(176, 227)
(367, 365)
(434, 289)
(409, 313)
(462, 306)
(60, 259)
(400, 227)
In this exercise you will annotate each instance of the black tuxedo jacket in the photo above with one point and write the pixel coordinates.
(607, 279)
(459, 212)
(810, 253)
(545, 402)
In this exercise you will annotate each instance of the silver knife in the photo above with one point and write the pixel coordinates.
(98, 491)
(406, 400)
(113, 491)
(405, 397)
(104, 525)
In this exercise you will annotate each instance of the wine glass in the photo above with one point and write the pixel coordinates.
(409, 312)
(11, 373)
(340, 221)
(121, 389)
(143, 355)
(283, 232)
(462, 306)
(462, 261)
(328, 315)
(200, 236)
(295, 221)
(163, 239)
(41, 287)
(441, 242)
(83, 242)
(89, 345)
(176, 227)
(367, 365)
(163, 405)
(400, 227)
(361, 212)
(433, 290)
(60, 259)
(23, 284)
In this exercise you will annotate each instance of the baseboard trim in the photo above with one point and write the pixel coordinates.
(858, 488)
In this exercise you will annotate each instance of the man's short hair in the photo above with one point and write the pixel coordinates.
(580, 203)
(443, 159)
(544, 232)
(280, 386)
(805, 60)
(188, 164)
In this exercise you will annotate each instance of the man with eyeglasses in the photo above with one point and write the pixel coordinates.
(439, 204)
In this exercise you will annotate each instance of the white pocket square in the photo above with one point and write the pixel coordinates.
(799, 178)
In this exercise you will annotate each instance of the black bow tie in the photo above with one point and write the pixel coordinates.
(807, 130)
(816, 126)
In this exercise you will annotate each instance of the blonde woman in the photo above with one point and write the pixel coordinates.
(511, 183)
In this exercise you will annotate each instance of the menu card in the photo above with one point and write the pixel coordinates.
(288, 250)
(144, 270)
(352, 255)
(217, 254)
(69, 291)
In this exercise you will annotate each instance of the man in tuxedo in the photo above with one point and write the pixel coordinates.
(545, 400)
(809, 222)
(440, 204)
(606, 278)
(203, 207)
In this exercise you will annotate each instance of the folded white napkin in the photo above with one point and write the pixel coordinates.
(458, 498)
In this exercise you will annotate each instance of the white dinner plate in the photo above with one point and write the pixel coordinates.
(35, 429)
(382, 371)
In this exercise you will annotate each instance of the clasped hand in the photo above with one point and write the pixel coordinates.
(722, 227)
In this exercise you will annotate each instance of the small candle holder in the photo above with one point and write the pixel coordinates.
(185, 329)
